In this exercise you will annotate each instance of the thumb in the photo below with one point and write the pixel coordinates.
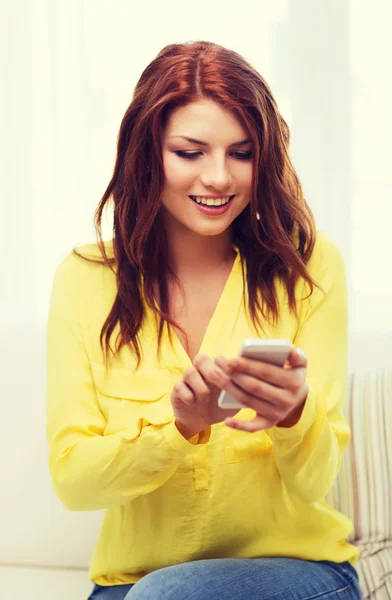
(298, 358)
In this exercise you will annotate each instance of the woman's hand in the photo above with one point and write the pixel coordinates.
(277, 394)
(195, 397)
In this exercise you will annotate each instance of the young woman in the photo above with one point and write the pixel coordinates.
(213, 243)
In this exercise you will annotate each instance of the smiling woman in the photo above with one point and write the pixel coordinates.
(216, 168)
(174, 145)
(213, 243)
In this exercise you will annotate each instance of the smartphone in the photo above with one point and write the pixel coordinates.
(274, 351)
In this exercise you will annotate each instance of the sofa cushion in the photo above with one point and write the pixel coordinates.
(35, 527)
(19, 583)
(363, 490)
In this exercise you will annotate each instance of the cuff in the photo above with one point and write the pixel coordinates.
(179, 443)
(314, 409)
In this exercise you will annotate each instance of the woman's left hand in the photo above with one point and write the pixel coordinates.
(277, 394)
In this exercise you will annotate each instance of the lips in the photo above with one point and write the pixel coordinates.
(212, 210)
(211, 197)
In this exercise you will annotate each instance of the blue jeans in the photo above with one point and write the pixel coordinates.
(241, 579)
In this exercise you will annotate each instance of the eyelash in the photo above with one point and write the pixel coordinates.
(192, 156)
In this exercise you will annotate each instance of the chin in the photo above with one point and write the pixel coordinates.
(210, 229)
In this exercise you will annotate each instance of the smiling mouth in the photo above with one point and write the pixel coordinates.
(210, 202)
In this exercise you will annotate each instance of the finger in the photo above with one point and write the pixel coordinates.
(273, 374)
(182, 393)
(261, 390)
(256, 424)
(210, 372)
(263, 407)
(223, 363)
(193, 379)
(298, 358)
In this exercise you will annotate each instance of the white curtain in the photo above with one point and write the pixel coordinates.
(68, 73)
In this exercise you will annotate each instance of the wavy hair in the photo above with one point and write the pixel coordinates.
(275, 233)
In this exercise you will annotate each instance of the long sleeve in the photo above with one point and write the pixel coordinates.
(91, 470)
(308, 454)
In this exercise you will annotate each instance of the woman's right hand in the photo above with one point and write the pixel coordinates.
(195, 397)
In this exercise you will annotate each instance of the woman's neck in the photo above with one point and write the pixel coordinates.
(192, 255)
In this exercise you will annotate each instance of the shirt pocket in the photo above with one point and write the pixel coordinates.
(242, 445)
(132, 400)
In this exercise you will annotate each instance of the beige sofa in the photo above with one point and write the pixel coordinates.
(45, 549)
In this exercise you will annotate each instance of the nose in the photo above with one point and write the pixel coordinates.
(216, 175)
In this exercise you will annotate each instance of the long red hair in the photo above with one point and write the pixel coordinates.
(277, 245)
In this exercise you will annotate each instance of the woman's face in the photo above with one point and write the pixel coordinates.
(217, 164)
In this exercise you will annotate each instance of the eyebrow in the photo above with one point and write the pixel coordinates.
(193, 141)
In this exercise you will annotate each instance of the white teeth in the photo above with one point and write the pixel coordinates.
(211, 201)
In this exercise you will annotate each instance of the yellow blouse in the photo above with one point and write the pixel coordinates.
(113, 443)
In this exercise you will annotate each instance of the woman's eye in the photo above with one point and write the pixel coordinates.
(243, 155)
(188, 155)
(192, 155)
